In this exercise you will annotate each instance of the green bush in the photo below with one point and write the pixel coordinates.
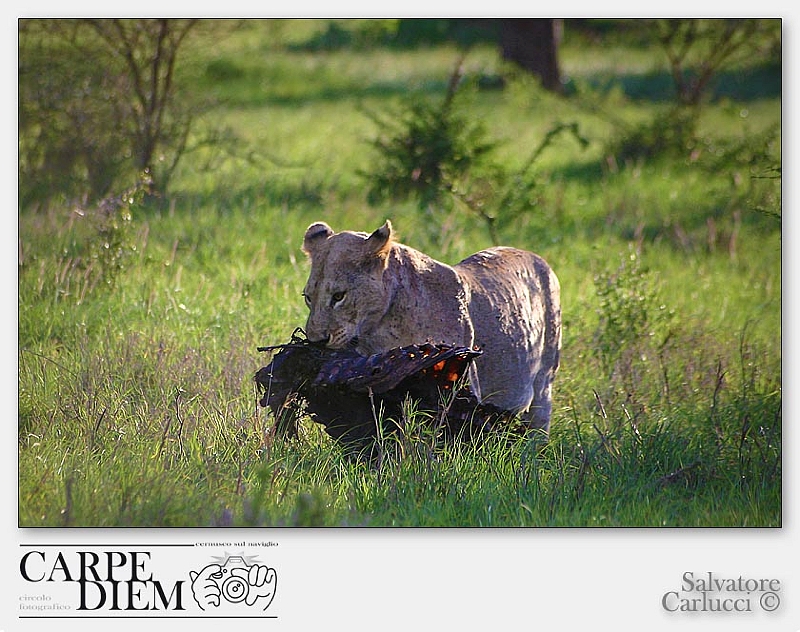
(98, 106)
(631, 313)
(443, 158)
(672, 134)
(424, 150)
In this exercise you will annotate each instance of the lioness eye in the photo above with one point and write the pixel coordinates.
(337, 297)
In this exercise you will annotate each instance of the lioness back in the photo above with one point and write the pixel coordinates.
(371, 293)
(515, 309)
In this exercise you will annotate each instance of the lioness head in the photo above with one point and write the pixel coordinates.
(345, 292)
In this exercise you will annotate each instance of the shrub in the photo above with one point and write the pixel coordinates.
(440, 157)
(98, 105)
(696, 51)
(424, 150)
(630, 311)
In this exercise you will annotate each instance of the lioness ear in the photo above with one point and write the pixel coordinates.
(315, 234)
(380, 242)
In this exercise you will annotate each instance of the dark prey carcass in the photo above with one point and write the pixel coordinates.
(349, 394)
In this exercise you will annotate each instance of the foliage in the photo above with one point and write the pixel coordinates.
(672, 132)
(499, 196)
(113, 241)
(425, 149)
(754, 167)
(148, 51)
(438, 156)
(697, 51)
(98, 104)
(630, 312)
(400, 33)
(70, 135)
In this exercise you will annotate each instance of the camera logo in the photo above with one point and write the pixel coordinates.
(236, 581)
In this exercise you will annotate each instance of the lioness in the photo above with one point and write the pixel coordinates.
(372, 293)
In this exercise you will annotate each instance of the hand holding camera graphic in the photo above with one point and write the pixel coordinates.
(236, 582)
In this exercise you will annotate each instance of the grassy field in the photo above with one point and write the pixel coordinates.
(136, 399)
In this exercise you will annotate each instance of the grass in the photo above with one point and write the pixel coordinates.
(136, 403)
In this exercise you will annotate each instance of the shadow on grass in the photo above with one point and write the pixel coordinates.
(742, 85)
(252, 87)
(404, 34)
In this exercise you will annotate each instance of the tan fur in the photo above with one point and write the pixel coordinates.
(368, 291)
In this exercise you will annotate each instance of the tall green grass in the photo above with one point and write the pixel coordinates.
(136, 400)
